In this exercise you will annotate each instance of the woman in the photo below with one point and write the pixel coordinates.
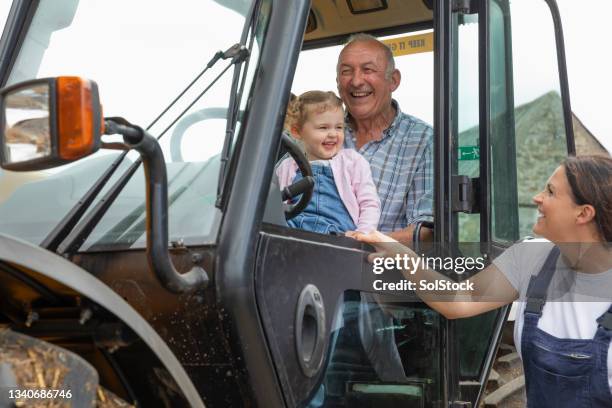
(564, 344)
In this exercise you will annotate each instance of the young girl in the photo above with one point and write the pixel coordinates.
(344, 197)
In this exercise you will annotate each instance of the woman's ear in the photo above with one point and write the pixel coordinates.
(586, 214)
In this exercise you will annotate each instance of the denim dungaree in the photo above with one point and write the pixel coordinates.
(563, 372)
(325, 213)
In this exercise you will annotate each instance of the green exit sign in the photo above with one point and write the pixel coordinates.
(469, 153)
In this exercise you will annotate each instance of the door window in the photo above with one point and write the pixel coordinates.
(467, 132)
(528, 138)
(383, 356)
(526, 128)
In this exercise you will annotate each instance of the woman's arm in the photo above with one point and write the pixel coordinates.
(491, 289)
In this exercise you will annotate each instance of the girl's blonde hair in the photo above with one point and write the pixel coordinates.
(291, 115)
(308, 102)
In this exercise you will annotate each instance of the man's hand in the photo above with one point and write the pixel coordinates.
(405, 236)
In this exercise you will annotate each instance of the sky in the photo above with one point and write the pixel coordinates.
(586, 28)
(586, 31)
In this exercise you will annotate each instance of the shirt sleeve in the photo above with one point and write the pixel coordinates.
(419, 199)
(522, 260)
(285, 171)
(508, 264)
(367, 197)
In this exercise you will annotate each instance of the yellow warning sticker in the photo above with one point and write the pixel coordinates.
(411, 44)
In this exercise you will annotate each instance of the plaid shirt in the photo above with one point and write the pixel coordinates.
(402, 169)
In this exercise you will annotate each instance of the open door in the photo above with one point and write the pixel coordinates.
(336, 343)
(513, 128)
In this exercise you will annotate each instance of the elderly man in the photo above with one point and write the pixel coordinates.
(398, 146)
(399, 149)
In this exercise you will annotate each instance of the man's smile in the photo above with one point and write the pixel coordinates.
(361, 94)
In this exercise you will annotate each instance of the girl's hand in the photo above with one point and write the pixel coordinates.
(352, 234)
(371, 237)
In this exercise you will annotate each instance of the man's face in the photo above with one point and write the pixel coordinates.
(361, 80)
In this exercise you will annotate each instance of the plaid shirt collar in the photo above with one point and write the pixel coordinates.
(348, 119)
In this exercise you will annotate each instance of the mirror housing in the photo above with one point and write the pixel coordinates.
(48, 122)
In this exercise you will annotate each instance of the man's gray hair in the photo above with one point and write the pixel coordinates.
(363, 37)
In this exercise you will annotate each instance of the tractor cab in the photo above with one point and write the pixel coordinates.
(171, 209)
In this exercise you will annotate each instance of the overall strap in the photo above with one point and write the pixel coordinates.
(605, 320)
(538, 284)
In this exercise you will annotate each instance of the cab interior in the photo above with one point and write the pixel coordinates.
(329, 26)
(332, 21)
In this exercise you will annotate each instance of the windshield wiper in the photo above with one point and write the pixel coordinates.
(234, 105)
(67, 237)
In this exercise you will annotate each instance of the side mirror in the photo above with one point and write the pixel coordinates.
(48, 122)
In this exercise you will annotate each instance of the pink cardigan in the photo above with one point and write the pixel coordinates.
(353, 179)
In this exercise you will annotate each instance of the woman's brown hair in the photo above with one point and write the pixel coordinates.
(590, 179)
(317, 101)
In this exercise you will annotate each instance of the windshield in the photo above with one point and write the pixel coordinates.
(141, 54)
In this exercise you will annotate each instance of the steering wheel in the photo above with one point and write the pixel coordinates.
(305, 186)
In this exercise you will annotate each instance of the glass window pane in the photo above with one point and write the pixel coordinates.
(504, 216)
(141, 62)
(382, 356)
(531, 133)
(468, 127)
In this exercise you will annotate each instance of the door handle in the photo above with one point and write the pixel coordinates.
(310, 330)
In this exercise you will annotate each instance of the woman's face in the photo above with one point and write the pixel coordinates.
(557, 210)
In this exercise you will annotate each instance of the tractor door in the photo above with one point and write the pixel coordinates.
(311, 328)
(512, 126)
(332, 342)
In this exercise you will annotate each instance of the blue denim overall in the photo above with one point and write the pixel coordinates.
(325, 213)
(563, 373)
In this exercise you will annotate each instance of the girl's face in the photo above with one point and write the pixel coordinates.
(322, 134)
(557, 211)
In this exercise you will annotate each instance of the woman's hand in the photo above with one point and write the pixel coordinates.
(490, 282)
(385, 245)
